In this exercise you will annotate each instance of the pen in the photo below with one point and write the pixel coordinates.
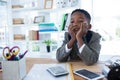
(22, 55)
(71, 71)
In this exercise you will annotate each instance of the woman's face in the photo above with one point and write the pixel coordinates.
(78, 20)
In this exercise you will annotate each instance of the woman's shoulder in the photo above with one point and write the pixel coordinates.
(95, 34)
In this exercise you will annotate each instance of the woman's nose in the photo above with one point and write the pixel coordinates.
(75, 24)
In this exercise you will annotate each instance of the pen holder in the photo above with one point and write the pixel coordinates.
(14, 70)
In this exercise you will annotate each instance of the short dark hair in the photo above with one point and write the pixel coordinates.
(87, 15)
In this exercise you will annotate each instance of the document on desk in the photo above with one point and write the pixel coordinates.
(39, 72)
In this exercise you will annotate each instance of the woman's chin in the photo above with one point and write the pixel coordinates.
(76, 32)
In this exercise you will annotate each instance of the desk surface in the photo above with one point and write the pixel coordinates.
(75, 65)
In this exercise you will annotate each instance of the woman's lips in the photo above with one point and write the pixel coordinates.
(76, 29)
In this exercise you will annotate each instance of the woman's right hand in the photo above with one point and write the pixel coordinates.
(73, 36)
(71, 32)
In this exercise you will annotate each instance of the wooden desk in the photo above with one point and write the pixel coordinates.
(76, 65)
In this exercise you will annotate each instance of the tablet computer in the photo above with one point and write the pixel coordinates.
(57, 71)
(89, 75)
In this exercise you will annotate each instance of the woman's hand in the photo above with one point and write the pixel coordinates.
(73, 36)
(71, 32)
(83, 30)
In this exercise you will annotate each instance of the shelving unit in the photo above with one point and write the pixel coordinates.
(24, 19)
(4, 33)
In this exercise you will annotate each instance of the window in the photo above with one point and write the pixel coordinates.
(105, 20)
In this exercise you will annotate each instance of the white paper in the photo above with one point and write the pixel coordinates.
(39, 72)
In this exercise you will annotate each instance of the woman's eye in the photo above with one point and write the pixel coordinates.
(80, 21)
(72, 22)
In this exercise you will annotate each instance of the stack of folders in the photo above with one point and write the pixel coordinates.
(46, 27)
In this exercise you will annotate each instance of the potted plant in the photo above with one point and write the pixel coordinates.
(48, 43)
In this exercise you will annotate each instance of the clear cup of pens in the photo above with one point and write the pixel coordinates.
(14, 69)
(15, 62)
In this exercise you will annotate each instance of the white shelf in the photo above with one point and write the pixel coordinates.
(33, 9)
(23, 25)
(41, 55)
(44, 10)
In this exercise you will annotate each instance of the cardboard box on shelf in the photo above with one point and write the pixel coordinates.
(17, 6)
(19, 37)
(18, 21)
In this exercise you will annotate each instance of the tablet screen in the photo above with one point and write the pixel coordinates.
(87, 74)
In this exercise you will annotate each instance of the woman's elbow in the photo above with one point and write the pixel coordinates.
(91, 62)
